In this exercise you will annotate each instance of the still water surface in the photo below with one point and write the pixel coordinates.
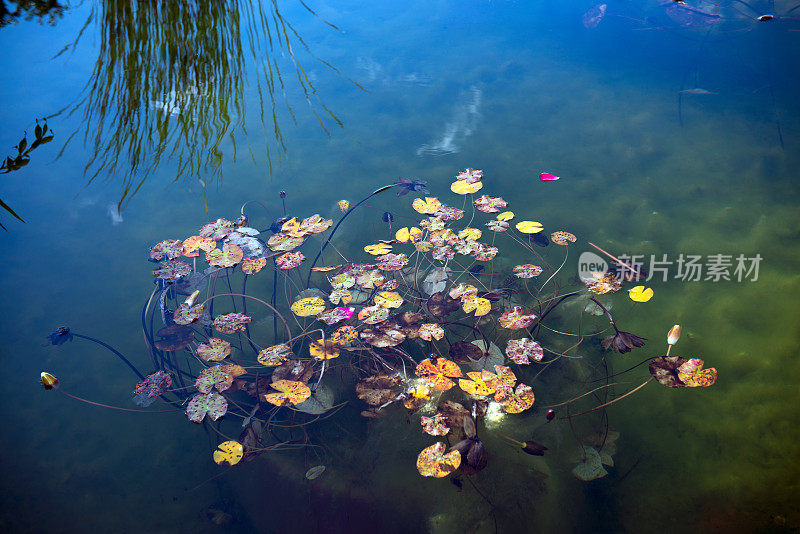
(422, 90)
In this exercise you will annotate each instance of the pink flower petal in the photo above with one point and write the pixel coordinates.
(547, 177)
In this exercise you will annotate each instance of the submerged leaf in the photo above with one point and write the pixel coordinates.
(215, 351)
(230, 323)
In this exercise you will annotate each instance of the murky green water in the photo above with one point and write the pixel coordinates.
(510, 88)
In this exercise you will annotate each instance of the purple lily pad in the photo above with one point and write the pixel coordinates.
(213, 404)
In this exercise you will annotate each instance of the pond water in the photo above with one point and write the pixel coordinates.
(675, 131)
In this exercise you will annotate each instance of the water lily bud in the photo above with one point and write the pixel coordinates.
(49, 381)
(674, 334)
(192, 298)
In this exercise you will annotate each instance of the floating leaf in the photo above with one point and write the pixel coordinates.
(251, 266)
(373, 314)
(408, 235)
(392, 262)
(377, 390)
(514, 401)
(217, 230)
(435, 426)
(489, 204)
(479, 305)
(315, 224)
(602, 283)
(186, 314)
(433, 462)
(229, 256)
(640, 294)
(378, 249)
(449, 213)
(274, 355)
(289, 392)
(665, 370)
(343, 281)
(234, 369)
(343, 206)
(344, 335)
(383, 336)
(215, 351)
(505, 216)
(429, 206)
(562, 238)
(529, 227)
(308, 306)
(465, 352)
(230, 323)
(516, 318)
(193, 245)
(693, 375)
(326, 350)
(284, 242)
(296, 370)
(169, 248)
(523, 351)
(153, 385)
(290, 260)
(172, 270)
(416, 396)
(462, 187)
(504, 378)
(470, 175)
(443, 253)
(480, 383)
(437, 372)
(388, 299)
(463, 291)
(497, 226)
(485, 253)
(370, 279)
(213, 377)
(228, 453)
(340, 295)
(430, 331)
(325, 268)
(547, 177)
(335, 315)
(527, 270)
(201, 404)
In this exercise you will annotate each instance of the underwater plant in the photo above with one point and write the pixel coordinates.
(412, 323)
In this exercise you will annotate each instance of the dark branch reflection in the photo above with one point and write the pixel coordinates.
(169, 84)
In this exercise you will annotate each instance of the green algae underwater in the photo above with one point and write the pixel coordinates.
(633, 181)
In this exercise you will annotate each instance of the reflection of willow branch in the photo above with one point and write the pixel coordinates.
(169, 83)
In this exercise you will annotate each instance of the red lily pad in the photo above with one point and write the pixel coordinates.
(516, 318)
(336, 314)
(230, 323)
(154, 384)
(527, 270)
(488, 204)
(290, 260)
(523, 351)
(217, 230)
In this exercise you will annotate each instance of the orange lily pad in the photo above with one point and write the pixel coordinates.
(434, 462)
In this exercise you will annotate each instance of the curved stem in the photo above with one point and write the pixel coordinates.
(609, 403)
(344, 216)
(112, 349)
(70, 395)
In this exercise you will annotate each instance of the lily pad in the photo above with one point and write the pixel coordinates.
(228, 453)
(434, 462)
(172, 270)
(274, 355)
(319, 402)
(213, 377)
(230, 323)
(215, 351)
(174, 337)
(169, 249)
(212, 404)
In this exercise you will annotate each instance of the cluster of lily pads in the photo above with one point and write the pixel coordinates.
(418, 323)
